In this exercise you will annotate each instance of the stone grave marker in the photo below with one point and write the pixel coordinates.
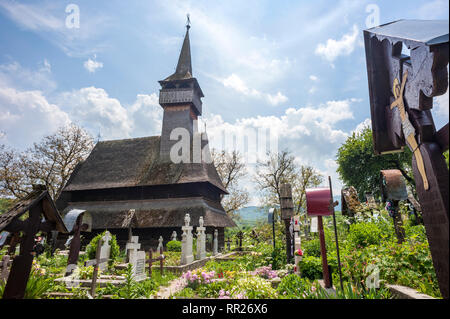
(216, 242)
(105, 251)
(186, 242)
(160, 243)
(136, 258)
(201, 240)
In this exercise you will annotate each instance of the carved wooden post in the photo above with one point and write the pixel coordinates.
(323, 252)
(161, 260)
(15, 239)
(21, 266)
(74, 250)
(287, 212)
(97, 263)
(4, 268)
(150, 262)
(401, 92)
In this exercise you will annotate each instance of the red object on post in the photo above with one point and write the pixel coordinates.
(318, 202)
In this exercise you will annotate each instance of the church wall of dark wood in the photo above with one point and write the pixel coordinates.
(142, 192)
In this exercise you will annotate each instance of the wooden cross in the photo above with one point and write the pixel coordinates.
(407, 127)
(4, 268)
(150, 261)
(96, 263)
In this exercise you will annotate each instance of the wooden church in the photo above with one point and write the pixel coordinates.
(138, 173)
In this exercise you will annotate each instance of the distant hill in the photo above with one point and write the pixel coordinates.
(252, 214)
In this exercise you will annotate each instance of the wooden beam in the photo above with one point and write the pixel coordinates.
(442, 138)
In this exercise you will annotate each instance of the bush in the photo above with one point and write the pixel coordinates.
(174, 245)
(311, 267)
(311, 247)
(364, 234)
(252, 288)
(91, 248)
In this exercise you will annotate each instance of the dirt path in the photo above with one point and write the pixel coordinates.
(174, 286)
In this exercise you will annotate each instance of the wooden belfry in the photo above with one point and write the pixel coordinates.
(43, 216)
(401, 92)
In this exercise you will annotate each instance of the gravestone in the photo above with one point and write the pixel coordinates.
(138, 264)
(216, 242)
(105, 251)
(186, 242)
(133, 246)
(136, 258)
(201, 240)
(174, 236)
(160, 243)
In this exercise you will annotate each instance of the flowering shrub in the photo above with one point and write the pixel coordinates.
(198, 277)
(253, 287)
(265, 272)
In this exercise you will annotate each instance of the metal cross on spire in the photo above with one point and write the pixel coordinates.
(188, 22)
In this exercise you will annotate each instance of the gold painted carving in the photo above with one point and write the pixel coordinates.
(408, 129)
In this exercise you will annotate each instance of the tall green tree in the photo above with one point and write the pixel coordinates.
(358, 165)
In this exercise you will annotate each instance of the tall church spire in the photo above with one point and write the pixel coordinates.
(184, 66)
(180, 96)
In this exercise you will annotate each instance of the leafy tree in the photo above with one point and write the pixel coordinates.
(231, 168)
(49, 162)
(358, 166)
(278, 169)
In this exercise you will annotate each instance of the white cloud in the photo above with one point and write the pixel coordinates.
(307, 131)
(277, 98)
(26, 116)
(335, 48)
(93, 108)
(47, 19)
(92, 65)
(432, 10)
(13, 74)
(362, 125)
(236, 83)
(313, 78)
(442, 106)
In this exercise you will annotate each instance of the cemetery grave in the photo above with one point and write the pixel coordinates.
(376, 249)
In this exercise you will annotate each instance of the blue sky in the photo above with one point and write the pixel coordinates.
(296, 67)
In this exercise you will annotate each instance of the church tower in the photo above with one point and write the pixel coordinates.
(180, 97)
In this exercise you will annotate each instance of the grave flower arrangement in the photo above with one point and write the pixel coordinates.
(298, 252)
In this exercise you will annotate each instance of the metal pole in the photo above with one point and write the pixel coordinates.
(336, 235)
(273, 228)
(323, 252)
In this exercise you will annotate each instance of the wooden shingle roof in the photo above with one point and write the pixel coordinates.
(136, 162)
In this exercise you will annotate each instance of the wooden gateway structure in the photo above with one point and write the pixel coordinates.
(401, 90)
(139, 174)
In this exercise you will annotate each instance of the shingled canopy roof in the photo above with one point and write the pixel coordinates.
(136, 162)
(21, 207)
(155, 213)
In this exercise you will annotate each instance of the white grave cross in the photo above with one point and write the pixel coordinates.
(105, 250)
(201, 240)
(186, 244)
